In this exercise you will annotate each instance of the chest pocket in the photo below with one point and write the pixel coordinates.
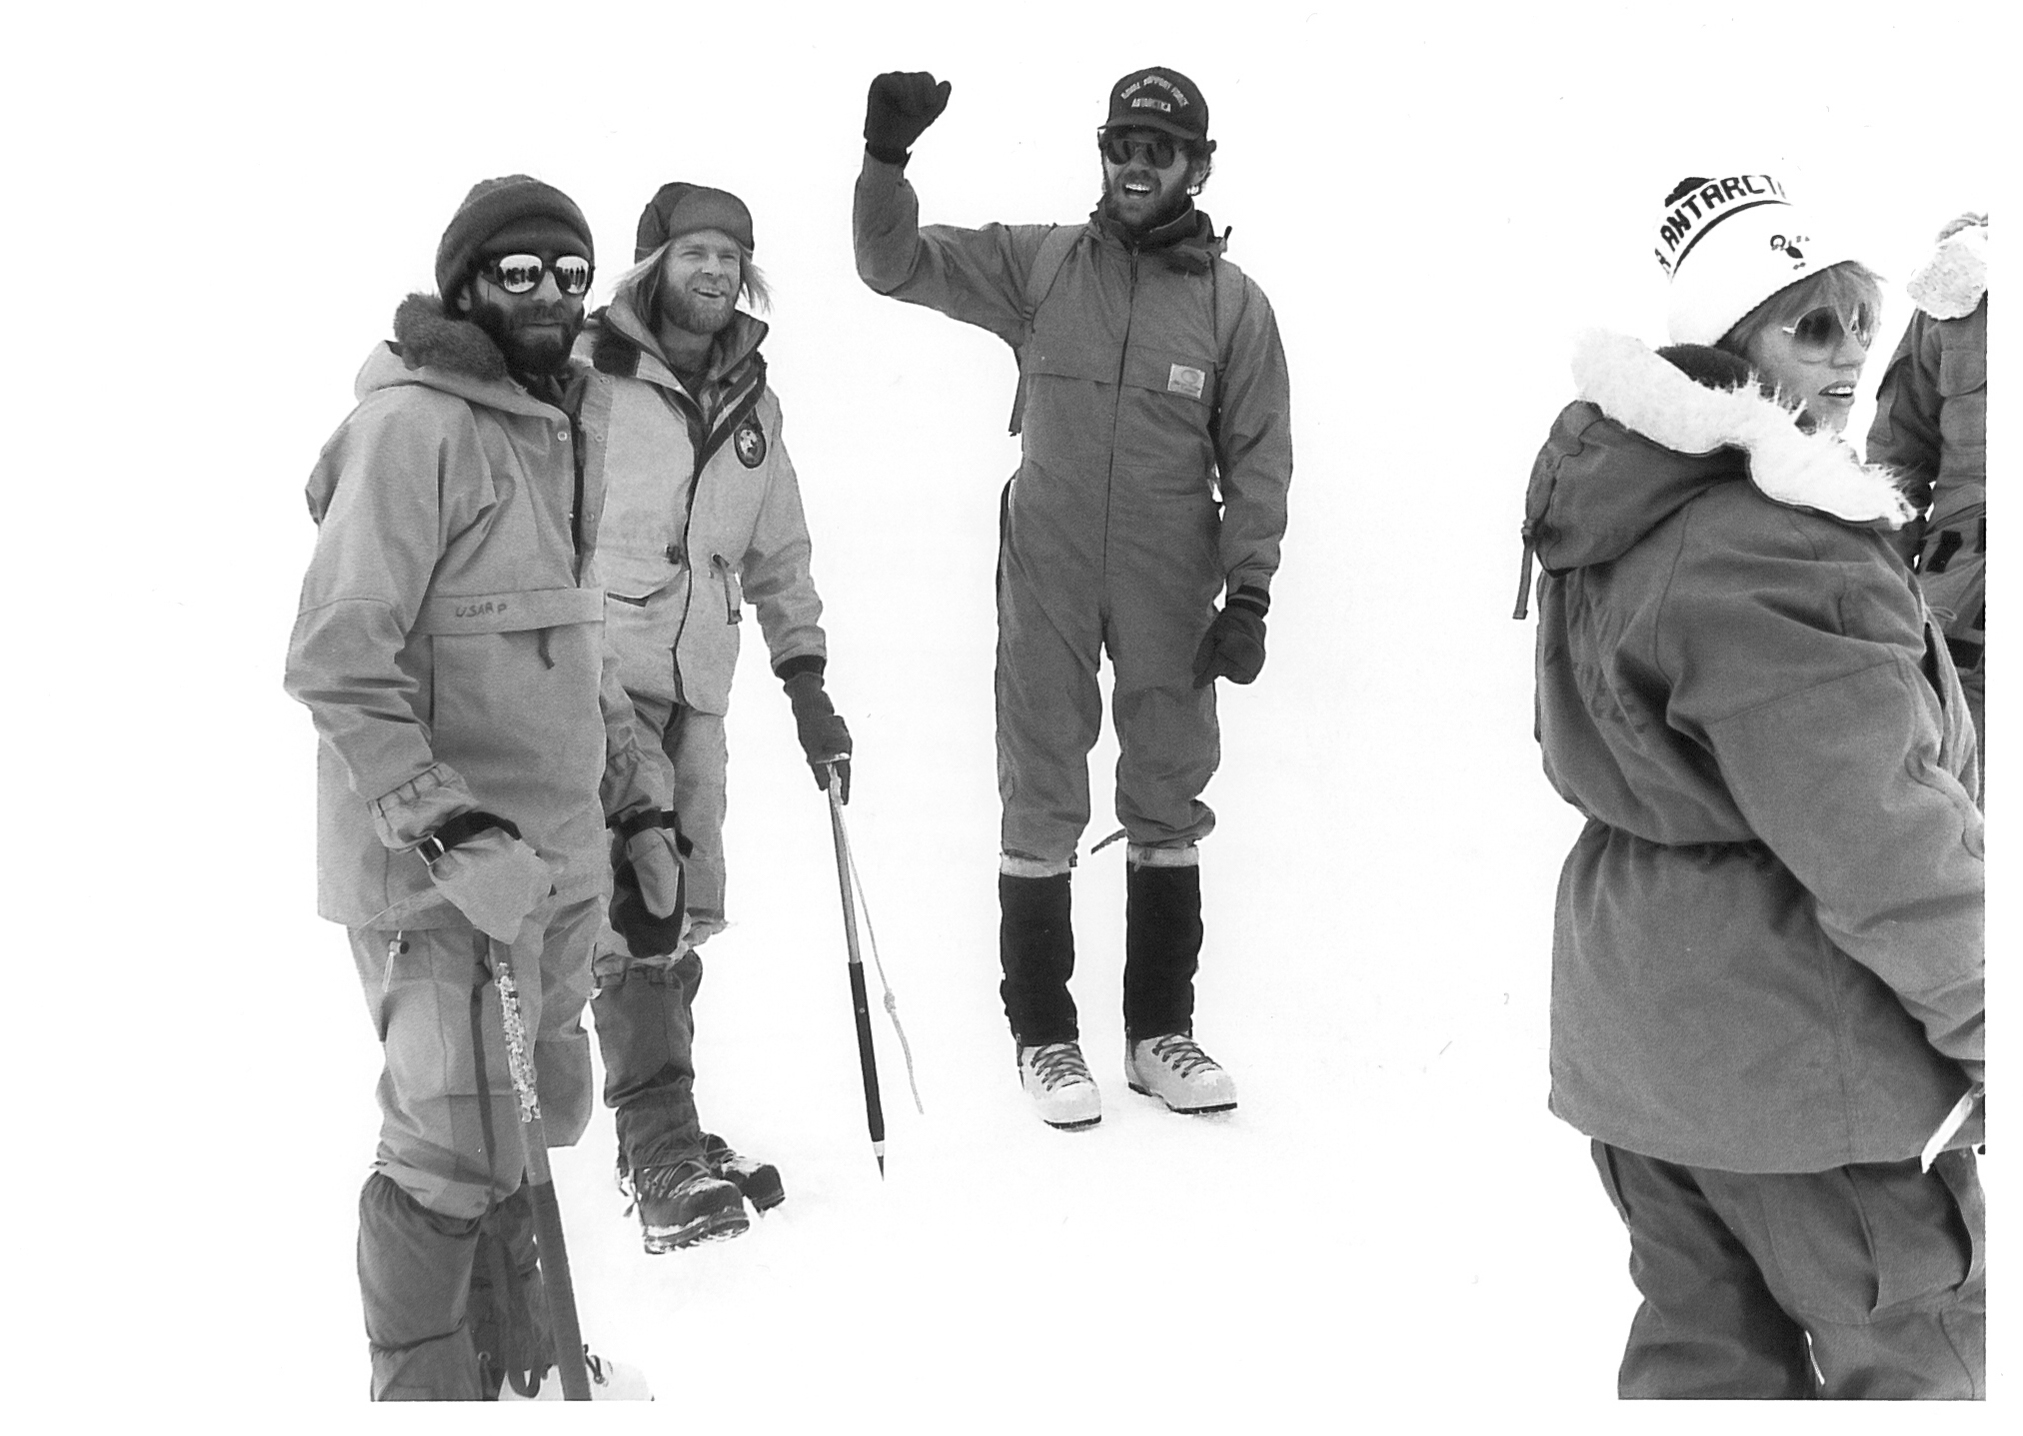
(1962, 371)
(1182, 373)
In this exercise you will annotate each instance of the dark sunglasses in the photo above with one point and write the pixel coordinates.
(1815, 334)
(1118, 147)
(522, 273)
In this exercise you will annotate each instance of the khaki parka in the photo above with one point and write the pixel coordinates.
(450, 639)
(1768, 951)
(702, 514)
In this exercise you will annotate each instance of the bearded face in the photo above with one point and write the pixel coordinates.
(699, 281)
(1139, 195)
(535, 331)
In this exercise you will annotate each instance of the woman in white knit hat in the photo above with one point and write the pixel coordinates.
(1767, 1003)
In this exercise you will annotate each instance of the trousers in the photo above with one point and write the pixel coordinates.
(1862, 1281)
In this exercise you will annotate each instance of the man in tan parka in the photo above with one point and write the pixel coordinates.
(1157, 453)
(474, 743)
(703, 516)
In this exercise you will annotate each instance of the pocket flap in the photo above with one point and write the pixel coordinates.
(509, 612)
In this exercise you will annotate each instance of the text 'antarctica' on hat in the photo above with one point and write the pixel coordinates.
(517, 202)
(681, 208)
(1159, 99)
(1729, 244)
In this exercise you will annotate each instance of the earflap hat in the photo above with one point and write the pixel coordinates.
(681, 208)
(502, 215)
(1727, 245)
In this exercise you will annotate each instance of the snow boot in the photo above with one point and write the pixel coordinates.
(609, 1381)
(1036, 945)
(1173, 1068)
(758, 1181)
(1058, 1081)
(682, 1205)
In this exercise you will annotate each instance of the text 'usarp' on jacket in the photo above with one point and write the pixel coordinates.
(450, 638)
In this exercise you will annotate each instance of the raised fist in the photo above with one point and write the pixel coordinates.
(901, 105)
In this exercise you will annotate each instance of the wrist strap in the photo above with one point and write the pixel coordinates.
(1257, 600)
(460, 830)
(646, 819)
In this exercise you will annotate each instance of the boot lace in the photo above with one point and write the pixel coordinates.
(1060, 1064)
(1178, 1052)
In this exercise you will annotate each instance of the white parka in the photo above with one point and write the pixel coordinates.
(702, 514)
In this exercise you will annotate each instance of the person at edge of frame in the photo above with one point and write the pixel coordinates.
(1931, 427)
(1767, 993)
(474, 741)
(1153, 412)
(702, 516)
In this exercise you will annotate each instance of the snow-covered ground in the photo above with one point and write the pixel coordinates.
(1390, 1231)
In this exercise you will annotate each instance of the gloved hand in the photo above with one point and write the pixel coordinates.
(478, 862)
(1233, 647)
(824, 737)
(901, 105)
(648, 886)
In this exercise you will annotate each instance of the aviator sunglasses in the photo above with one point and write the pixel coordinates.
(521, 273)
(1118, 146)
(1815, 334)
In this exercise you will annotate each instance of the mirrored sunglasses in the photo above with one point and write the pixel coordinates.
(1119, 145)
(1815, 335)
(521, 273)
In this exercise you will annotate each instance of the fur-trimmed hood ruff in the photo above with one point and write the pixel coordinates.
(1647, 437)
(1951, 284)
(434, 349)
(426, 333)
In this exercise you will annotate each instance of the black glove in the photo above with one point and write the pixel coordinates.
(1233, 647)
(824, 738)
(649, 888)
(901, 105)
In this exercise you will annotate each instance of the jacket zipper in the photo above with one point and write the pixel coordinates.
(703, 451)
(1117, 407)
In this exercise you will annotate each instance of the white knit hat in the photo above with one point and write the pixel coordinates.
(1729, 244)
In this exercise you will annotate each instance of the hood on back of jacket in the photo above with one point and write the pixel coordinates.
(1953, 282)
(1653, 431)
(617, 335)
(1187, 242)
(432, 349)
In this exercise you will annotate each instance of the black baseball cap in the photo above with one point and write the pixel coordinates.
(1159, 99)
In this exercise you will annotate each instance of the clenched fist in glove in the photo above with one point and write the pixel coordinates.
(478, 862)
(648, 889)
(902, 104)
(824, 738)
(1233, 647)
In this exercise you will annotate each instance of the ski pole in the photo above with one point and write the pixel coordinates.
(874, 1114)
(561, 1291)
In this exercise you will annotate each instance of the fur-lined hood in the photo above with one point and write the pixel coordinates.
(1651, 432)
(1952, 283)
(434, 349)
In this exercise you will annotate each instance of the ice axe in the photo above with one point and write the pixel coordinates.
(874, 1112)
(556, 1283)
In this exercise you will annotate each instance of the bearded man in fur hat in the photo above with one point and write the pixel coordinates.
(475, 742)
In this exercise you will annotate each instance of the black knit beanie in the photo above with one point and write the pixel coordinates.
(518, 202)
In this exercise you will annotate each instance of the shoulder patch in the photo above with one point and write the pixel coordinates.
(750, 442)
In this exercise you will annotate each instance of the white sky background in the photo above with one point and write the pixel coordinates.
(236, 198)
